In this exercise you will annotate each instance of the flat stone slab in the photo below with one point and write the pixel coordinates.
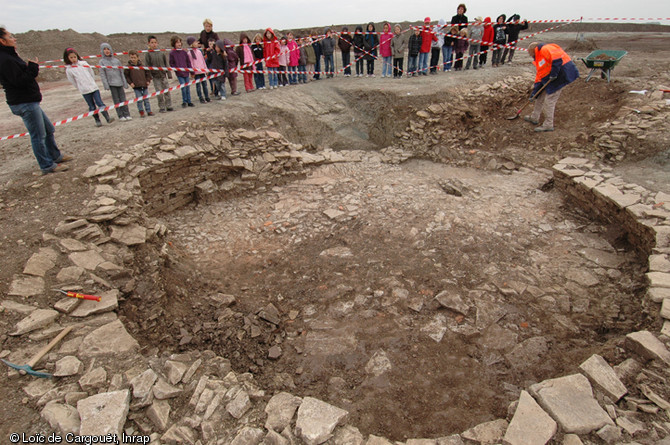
(602, 258)
(452, 300)
(72, 245)
(659, 263)
(111, 338)
(487, 433)
(377, 440)
(104, 413)
(26, 286)
(61, 417)
(665, 308)
(531, 425)
(159, 414)
(658, 294)
(89, 259)
(247, 436)
(646, 345)
(36, 320)
(143, 383)
(582, 277)
(38, 264)
(317, 420)
(603, 376)
(280, 410)
(129, 235)
(658, 279)
(13, 306)
(175, 371)
(109, 301)
(570, 402)
(70, 274)
(436, 328)
(69, 365)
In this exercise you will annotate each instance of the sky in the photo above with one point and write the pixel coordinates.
(152, 16)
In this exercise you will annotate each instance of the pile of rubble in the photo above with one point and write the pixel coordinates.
(634, 128)
(106, 386)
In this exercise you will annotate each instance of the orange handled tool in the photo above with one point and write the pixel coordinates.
(78, 295)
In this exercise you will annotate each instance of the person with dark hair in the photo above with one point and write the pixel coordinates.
(460, 18)
(358, 42)
(160, 78)
(80, 75)
(370, 45)
(499, 39)
(555, 69)
(23, 97)
(345, 42)
(514, 27)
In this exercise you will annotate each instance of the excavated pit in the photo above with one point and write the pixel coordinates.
(377, 288)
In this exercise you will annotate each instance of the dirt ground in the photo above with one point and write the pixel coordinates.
(358, 288)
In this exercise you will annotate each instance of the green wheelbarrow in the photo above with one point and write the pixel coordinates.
(604, 60)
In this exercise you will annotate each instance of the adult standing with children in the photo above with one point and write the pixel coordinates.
(207, 33)
(460, 18)
(553, 66)
(23, 97)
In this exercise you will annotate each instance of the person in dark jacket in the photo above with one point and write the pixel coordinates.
(328, 48)
(232, 63)
(413, 48)
(207, 33)
(220, 62)
(358, 42)
(460, 18)
(513, 30)
(344, 42)
(499, 39)
(257, 48)
(318, 53)
(23, 97)
(554, 67)
(370, 45)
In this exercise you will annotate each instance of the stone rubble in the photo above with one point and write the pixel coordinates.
(166, 173)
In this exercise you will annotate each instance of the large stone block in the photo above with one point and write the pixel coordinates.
(317, 420)
(569, 400)
(531, 425)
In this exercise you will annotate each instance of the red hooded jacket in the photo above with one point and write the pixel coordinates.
(271, 49)
(487, 39)
(427, 38)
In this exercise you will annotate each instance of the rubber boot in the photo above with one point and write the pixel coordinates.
(107, 117)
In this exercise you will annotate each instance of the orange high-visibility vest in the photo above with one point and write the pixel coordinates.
(545, 56)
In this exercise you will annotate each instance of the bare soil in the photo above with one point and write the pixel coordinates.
(507, 245)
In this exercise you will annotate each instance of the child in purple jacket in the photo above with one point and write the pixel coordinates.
(179, 59)
(460, 47)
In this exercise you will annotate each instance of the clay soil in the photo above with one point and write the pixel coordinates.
(408, 241)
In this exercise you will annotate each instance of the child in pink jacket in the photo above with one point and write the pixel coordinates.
(385, 50)
(293, 59)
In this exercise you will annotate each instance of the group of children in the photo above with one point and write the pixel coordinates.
(289, 60)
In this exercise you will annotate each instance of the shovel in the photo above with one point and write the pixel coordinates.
(28, 367)
(518, 113)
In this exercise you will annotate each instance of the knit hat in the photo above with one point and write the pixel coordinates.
(190, 40)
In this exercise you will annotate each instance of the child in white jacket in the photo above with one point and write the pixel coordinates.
(80, 74)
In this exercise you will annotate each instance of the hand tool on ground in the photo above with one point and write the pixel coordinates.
(78, 295)
(518, 113)
(28, 367)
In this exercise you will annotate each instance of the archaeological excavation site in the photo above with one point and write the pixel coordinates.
(351, 261)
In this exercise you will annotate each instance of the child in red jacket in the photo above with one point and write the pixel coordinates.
(427, 38)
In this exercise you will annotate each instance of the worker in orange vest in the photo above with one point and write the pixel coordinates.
(555, 66)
